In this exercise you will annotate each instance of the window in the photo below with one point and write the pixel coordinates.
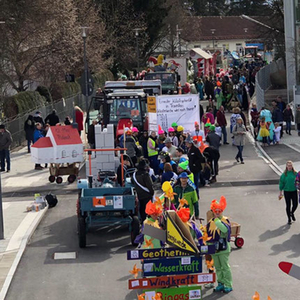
(125, 108)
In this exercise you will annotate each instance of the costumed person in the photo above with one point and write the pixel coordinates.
(184, 167)
(268, 119)
(185, 191)
(264, 133)
(165, 158)
(161, 139)
(153, 212)
(153, 152)
(198, 132)
(184, 214)
(143, 186)
(219, 230)
(219, 94)
(200, 86)
(277, 132)
(180, 129)
(172, 136)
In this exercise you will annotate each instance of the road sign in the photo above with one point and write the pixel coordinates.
(151, 104)
(172, 266)
(167, 281)
(165, 252)
(186, 292)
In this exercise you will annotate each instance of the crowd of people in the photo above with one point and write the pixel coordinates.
(269, 124)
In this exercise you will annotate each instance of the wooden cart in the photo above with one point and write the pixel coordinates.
(58, 170)
(235, 235)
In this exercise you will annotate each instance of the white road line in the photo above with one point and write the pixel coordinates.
(5, 205)
(292, 147)
(65, 255)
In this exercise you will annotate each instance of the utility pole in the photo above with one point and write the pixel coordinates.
(178, 31)
(1, 207)
(213, 39)
(84, 36)
(137, 30)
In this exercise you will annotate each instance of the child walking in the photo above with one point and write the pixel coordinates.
(276, 136)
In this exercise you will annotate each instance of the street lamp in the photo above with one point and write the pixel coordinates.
(84, 36)
(137, 30)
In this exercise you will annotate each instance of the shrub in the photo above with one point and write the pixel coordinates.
(64, 89)
(101, 77)
(21, 103)
(44, 91)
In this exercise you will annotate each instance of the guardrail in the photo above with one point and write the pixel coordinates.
(263, 81)
(64, 107)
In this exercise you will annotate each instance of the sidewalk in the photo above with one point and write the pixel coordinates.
(18, 189)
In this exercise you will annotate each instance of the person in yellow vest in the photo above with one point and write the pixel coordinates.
(153, 152)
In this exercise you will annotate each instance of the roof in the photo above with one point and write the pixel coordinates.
(65, 135)
(43, 142)
(201, 53)
(197, 28)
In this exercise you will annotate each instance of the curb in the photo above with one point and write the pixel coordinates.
(25, 241)
(268, 159)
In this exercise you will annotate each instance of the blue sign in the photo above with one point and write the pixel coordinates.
(172, 266)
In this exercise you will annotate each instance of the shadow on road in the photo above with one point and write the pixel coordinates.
(270, 234)
(288, 245)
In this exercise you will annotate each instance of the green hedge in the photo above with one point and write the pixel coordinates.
(101, 77)
(21, 103)
(44, 91)
(64, 90)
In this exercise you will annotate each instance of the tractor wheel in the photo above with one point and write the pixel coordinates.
(239, 242)
(59, 180)
(51, 178)
(71, 178)
(135, 229)
(81, 232)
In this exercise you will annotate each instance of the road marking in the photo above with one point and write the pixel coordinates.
(65, 255)
(292, 147)
(6, 205)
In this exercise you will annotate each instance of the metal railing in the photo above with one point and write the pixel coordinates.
(263, 80)
(64, 108)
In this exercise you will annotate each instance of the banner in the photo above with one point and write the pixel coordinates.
(181, 109)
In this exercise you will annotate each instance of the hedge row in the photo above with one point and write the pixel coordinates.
(21, 103)
(101, 77)
(64, 90)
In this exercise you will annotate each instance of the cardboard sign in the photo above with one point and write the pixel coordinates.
(172, 266)
(178, 234)
(166, 253)
(151, 104)
(99, 201)
(166, 281)
(155, 232)
(186, 292)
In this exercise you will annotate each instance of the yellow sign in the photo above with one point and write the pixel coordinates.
(178, 234)
(151, 104)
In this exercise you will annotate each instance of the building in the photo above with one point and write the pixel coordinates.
(221, 33)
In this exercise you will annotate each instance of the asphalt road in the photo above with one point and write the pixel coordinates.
(101, 271)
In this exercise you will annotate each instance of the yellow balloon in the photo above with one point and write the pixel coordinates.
(166, 187)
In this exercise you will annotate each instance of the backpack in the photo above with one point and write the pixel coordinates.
(51, 200)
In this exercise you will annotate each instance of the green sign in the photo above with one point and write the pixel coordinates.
(177, 293)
